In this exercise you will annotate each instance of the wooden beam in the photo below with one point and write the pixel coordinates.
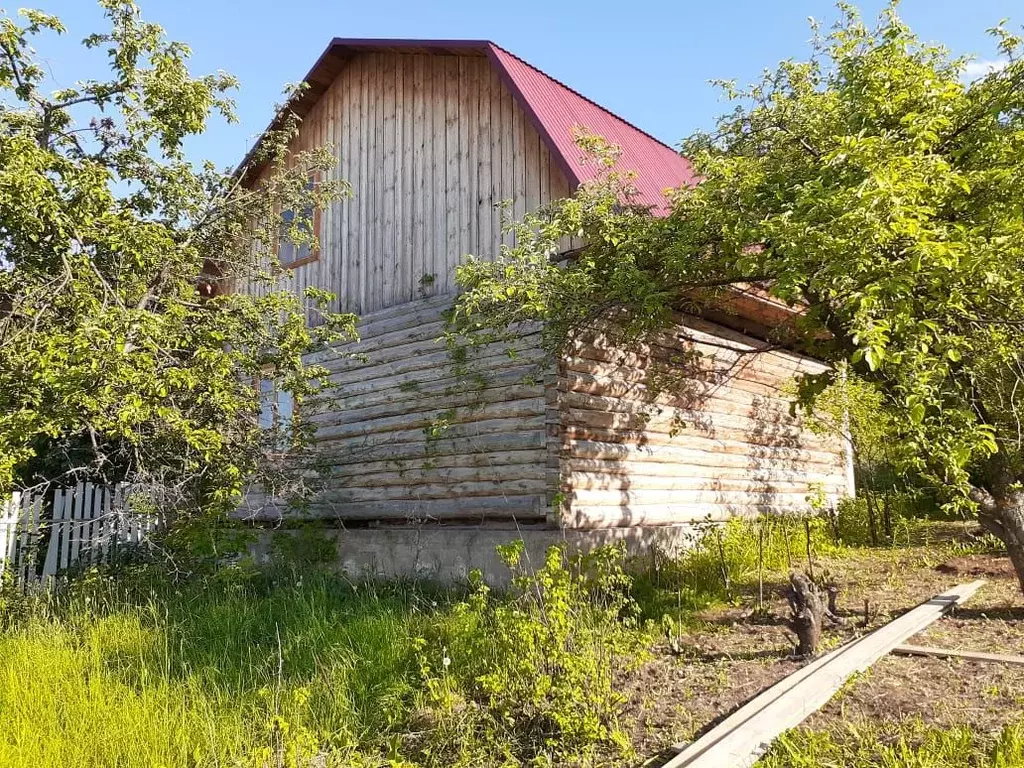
(745, 735)
(942, 653)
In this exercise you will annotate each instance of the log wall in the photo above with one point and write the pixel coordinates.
(414, 434)
(717, 442)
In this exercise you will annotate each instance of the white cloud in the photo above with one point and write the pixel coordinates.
(980, 68)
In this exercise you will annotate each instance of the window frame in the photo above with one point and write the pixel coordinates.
(314, 253)
(270, 402)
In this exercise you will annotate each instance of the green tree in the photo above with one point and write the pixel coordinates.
(123, 351)
(872, 187)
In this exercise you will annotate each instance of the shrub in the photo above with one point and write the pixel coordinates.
(534, 669)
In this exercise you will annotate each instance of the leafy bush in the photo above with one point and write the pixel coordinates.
(892, 517)
(539, 663)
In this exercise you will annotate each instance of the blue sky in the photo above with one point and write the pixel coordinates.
(647, 60)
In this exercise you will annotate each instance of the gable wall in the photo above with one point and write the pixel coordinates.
(431, 144)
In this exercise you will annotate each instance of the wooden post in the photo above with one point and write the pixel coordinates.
(760, 564)
(721, 562)
(810, 561)
(872, 523)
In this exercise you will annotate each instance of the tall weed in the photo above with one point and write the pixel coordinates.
(297, 667)
(535, 669)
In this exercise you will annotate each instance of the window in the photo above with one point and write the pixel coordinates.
(288, 253)
(277, 406)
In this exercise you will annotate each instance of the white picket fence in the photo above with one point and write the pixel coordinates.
(84, 525)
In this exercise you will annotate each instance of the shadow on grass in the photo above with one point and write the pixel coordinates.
(989, 614)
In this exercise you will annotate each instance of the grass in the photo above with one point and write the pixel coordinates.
(210, 673)
(247, 668)
(300, 668)
(908, 744)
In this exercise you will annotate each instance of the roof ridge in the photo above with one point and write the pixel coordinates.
(586, 98)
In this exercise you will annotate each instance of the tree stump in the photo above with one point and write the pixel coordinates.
(807, 613)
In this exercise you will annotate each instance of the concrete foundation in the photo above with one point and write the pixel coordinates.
(447, 553)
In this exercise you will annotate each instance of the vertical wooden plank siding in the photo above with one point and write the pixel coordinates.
(390, 278)
(422, 217)
(718, 443)
(453, 183)
(432, 145)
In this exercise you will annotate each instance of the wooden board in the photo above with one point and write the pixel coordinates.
(740, 739)
(943, 653)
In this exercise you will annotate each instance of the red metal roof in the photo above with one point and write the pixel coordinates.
(559, 112)
(556, 110)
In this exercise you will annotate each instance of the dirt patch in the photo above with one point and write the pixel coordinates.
(942, 693)
(732, 654)
(979, 566)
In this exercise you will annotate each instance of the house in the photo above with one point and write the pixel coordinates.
(428, 472)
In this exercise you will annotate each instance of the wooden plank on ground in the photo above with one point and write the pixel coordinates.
(943, 653)
(745, 735)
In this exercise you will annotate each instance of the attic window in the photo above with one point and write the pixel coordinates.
(288, 253)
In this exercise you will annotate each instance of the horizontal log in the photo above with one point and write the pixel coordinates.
(468, 429)
(464, 490)
(584, 455)
(750, 446)
(430, 367)
(470, 402)
(613, 498)
(429, 329)
(771, 412)
(583, 516)
(523, 509)
(709, 369)
(420, 462)
(358, 391)
(685, 329)
(425, 331)
(406, 315)
(496, 475)
(712, 426)
(429, 354)
(355, 450)
(632, 428)
(706, 338)
(764, 386)
(362, 358)
(578, 481)
(694, 392)
(344, 399)
(516, 409)
(721, 332)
